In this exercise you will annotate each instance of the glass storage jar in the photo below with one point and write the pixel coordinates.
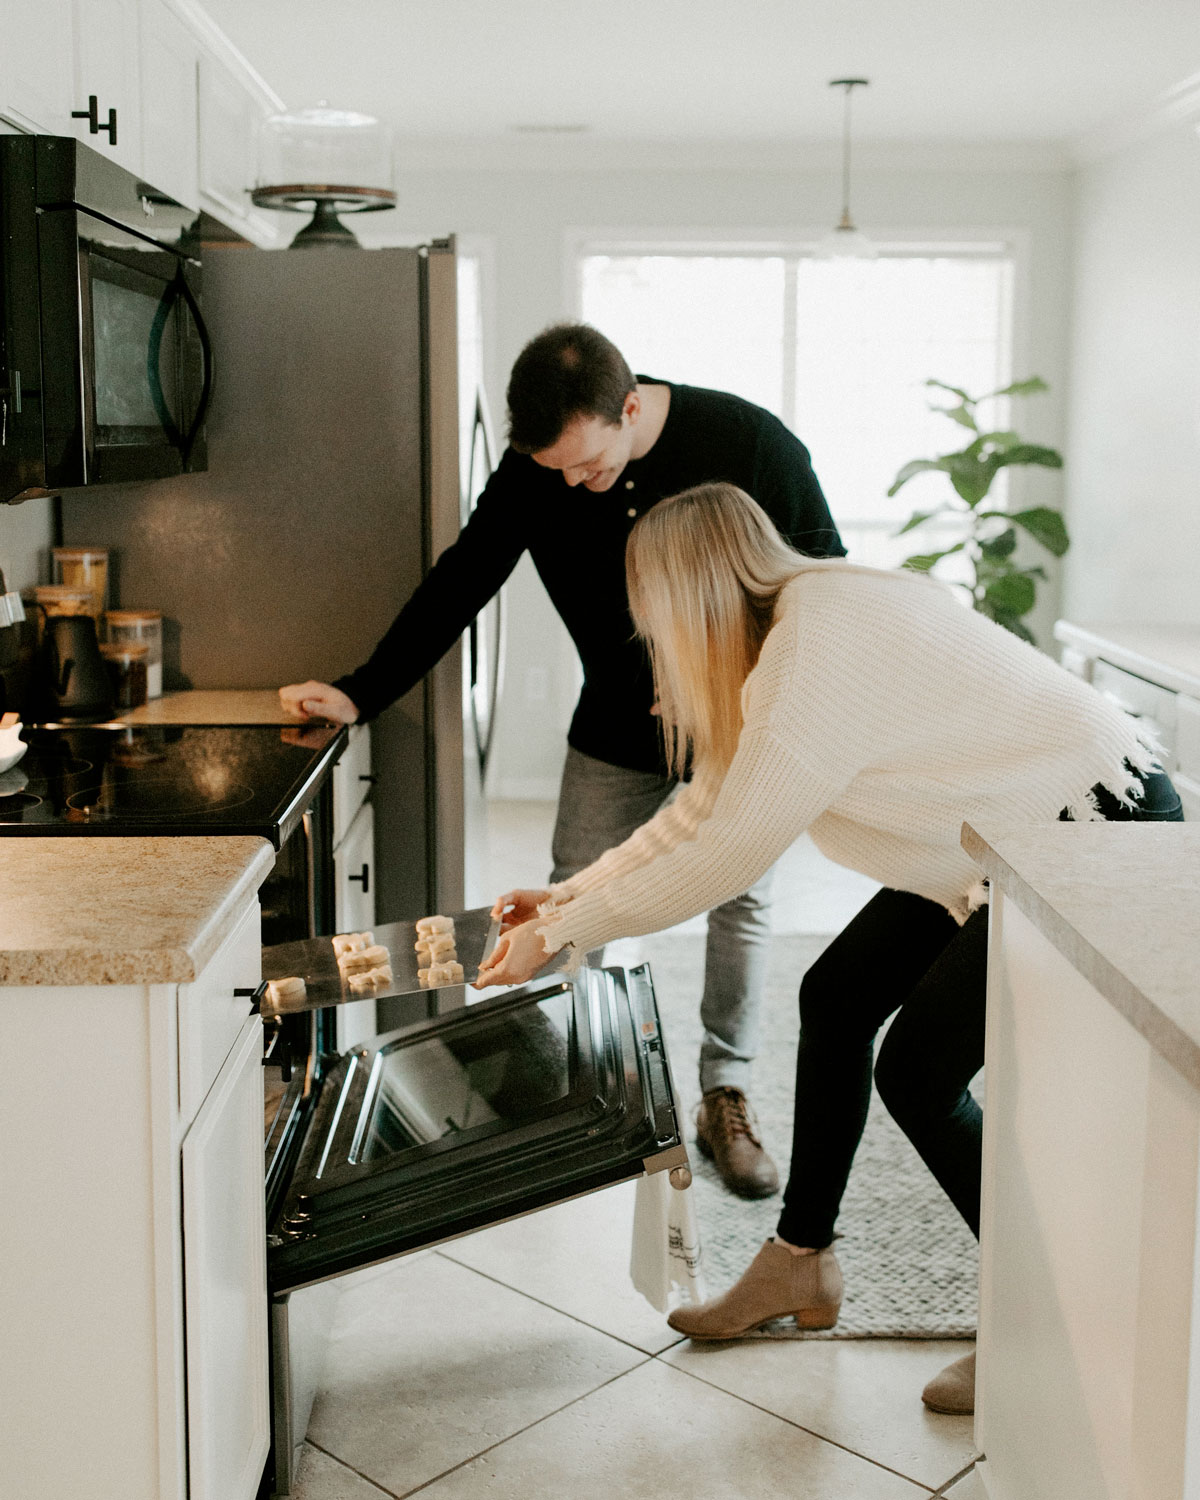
(58, 599)
(126, 665)
(84, 568)
(141, 627)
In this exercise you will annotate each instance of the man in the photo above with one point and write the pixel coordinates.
(579, 417)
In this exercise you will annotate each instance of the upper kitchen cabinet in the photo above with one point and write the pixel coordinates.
(183, 103)
(108, 70)
(231, 107)
(170, 144)
(37, 80)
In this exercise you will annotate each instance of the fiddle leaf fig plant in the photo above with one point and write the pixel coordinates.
(1002, 588)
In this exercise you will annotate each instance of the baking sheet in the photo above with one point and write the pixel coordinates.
(314, 961)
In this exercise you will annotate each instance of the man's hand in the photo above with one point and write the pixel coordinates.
(318, 700)
(518, 956)
(515, 907)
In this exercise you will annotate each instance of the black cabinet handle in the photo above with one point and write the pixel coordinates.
(92, 115)
(255, 997)
(365, 877)
(370, 780)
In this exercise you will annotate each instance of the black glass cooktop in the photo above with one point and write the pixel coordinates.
(108, 779)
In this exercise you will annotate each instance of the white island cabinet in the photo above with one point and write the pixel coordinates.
(133, 1301)
(1089, 1326)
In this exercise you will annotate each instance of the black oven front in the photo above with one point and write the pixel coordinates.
(105, 365)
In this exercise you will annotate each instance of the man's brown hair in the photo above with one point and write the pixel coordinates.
(570, 370)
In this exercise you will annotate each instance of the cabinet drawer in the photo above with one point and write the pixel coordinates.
(351, 781)
(211, 1015)
(1187, 732)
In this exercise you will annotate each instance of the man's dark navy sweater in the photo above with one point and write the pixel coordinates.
(576, 539)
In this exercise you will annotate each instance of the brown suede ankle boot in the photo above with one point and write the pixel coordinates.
(778, 1284)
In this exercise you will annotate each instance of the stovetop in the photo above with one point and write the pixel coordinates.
(159, 780)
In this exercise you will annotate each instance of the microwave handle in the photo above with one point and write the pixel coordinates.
(193, 306)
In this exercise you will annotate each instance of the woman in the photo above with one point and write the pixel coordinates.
(872, 710)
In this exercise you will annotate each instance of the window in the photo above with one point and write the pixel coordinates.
(839, 350)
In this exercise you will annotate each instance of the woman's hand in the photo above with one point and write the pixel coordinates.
(318, 700)
(515, 907)
(518, 956)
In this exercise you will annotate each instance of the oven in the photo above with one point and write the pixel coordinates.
(473, 1107)
(478, 1107)
(105, 364)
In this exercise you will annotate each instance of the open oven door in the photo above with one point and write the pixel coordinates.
(521, 1100)
(499, 1108)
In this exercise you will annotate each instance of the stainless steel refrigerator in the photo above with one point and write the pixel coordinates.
(345, 445)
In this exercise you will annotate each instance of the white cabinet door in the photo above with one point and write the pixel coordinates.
(170, 148)
(229, 114)
(352, 781)
(225, 1281)
(354, 911)
(107, 58)
(37, 82)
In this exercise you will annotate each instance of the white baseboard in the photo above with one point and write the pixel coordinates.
(523, 789)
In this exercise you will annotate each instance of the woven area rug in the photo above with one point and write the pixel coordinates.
(910, 1264)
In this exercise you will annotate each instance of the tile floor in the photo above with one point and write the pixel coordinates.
(519, 1363)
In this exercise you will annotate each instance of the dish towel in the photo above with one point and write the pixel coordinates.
(664, 1262)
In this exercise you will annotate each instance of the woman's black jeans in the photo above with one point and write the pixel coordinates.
(901, 953)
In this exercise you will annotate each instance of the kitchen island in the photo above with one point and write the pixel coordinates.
(131, 1114)
(1089, 1369)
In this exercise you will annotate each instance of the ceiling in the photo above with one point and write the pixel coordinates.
(688, 70)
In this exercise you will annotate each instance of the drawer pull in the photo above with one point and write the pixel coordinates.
(369, 779)
(255, 997)
(365, 877)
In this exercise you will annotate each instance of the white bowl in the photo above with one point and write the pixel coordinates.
(12, 747)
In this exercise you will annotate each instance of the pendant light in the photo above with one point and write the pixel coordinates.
(846, 241)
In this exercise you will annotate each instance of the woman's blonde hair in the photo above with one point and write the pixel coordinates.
(705, 569)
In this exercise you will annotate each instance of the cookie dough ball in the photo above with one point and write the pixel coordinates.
(285, 991)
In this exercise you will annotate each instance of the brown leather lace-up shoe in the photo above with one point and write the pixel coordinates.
(725, 1134)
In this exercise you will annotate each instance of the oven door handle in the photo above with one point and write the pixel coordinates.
(206, 382)
(255, 996)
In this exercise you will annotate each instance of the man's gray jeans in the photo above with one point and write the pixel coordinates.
(599, 806)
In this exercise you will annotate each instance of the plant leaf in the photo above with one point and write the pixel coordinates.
(954, 391)
(918, 518)
(958, 414)
(1001, 546)
(1029, 387)
(1011, 622)
(1029, 453)
(1044, 525)
(918, 466)
(1000, 439)
(970, 476)
(1013, 593)
(921, 562)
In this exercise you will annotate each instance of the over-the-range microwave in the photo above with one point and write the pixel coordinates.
(105, 366)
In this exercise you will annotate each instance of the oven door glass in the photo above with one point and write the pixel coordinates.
(506, 1106)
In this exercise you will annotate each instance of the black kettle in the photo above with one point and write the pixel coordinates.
(73, 680)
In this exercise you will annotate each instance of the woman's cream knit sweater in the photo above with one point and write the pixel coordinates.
(881, 714)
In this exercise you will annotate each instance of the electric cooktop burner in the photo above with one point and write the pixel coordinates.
(110, 779)
(156, 797)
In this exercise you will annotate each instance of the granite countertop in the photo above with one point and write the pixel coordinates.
(1121, 902)
(229, 706)
(84, 911)
(1167, 654)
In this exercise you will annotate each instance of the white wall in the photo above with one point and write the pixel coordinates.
(1133, 492)
(525, 213)
(26, 536)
